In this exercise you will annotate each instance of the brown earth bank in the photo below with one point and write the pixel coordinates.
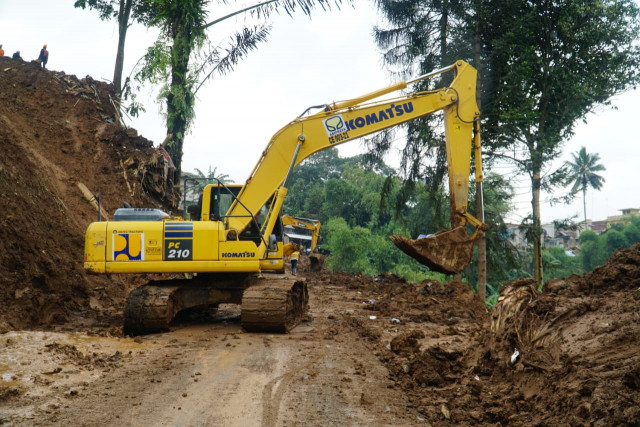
(59, 142)
(374, 351)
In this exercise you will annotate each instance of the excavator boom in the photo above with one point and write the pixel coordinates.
(345, 121)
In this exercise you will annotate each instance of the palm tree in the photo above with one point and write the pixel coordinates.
(582, 173)
(183, 58)
(202, 179)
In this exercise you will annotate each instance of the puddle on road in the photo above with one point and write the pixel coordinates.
(36, 361)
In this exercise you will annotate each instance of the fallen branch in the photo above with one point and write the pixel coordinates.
(124, 173)
(91, 199)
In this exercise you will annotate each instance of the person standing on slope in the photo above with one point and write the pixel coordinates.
(44, 56)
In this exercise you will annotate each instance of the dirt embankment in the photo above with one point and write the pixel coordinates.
(567, 356)
(59, 142)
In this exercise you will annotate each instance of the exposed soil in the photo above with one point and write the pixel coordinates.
(57, 133)
(375, 350)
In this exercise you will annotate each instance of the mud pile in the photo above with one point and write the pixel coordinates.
(566, 356)
(60, 144)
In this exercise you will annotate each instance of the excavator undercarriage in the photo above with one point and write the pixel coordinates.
(270, 303)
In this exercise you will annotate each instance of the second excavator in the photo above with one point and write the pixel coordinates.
(305, 224)
(315, 258)
(235, 232)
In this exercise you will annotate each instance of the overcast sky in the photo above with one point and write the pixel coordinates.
(305, 62)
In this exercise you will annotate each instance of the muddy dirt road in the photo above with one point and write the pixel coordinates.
(374, 351)
(203, 374)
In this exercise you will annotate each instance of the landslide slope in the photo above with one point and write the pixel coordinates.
(58, 133)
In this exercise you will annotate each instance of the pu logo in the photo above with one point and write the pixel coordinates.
(334, 124)
(127, 247)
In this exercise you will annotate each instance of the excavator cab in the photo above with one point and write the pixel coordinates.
(221, 198)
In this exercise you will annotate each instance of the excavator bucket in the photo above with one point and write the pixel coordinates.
(316, 261)
(447, 251)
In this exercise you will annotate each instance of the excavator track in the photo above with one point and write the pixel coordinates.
(274, 305)
(269, 304)
(150, 309)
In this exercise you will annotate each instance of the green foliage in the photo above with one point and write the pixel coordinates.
(592, 254)
(415, 274)
(614, 240)
(352, 199)
(550, 64)
(357, 250)
(587, 236)
(557, 263)
(543, 67)
(632, 233)
(142, 11)
(156, 63)
(348, 247)
(583, 170)
(106, 9)
(493, 292)
(596, 249)
(546, 54)
(618, 226)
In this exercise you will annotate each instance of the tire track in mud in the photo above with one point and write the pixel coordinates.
(274, 391)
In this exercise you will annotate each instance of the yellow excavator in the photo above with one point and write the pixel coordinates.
(235, 231)
(306, 224)
(315, 258)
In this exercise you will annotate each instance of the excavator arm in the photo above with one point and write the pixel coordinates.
(346, 121)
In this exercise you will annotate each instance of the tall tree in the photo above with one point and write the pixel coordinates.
(124, 11)
(583, 174)
(417, 40)
(420, 37)
(212, 175)
(193, 189)
(545, 64)
(183, 40)
(550, 63)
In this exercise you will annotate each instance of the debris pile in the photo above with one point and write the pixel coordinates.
(565, 356)
(63, 150)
